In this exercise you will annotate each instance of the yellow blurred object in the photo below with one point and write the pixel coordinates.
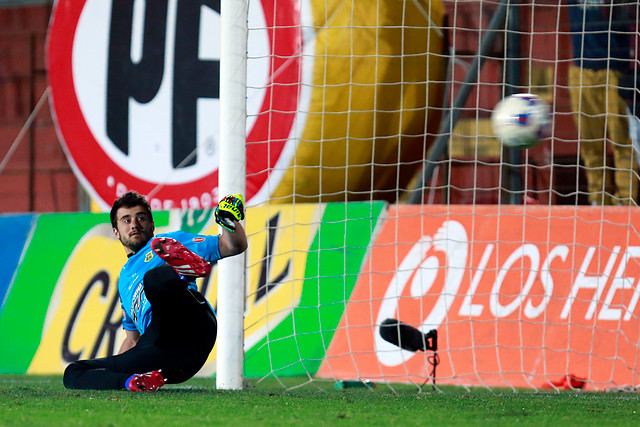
(378, 77)
(94, 207)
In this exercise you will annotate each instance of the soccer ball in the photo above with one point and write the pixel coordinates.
(521, 120)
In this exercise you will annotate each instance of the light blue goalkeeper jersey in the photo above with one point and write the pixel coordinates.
(135, 306)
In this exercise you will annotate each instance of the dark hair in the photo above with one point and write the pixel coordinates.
(128, 200)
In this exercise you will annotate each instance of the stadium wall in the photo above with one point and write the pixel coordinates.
(519, 294)
(38, 177)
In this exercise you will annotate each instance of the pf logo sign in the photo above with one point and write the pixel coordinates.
(135, 94)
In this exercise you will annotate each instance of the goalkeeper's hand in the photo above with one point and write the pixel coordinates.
(229, 209)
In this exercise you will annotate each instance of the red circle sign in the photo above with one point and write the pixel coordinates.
(81, 80)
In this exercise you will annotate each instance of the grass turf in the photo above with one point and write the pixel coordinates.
(43, 401)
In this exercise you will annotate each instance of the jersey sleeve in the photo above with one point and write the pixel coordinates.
(127, 322)
(212, 248)
(204, 245)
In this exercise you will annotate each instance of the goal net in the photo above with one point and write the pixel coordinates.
(390, 209)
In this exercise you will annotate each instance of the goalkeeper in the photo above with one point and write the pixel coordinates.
(170, 327)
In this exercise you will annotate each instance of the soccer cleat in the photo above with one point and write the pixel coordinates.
(182, 260)
(151, 381)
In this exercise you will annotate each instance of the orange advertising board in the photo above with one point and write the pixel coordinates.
(520, 296)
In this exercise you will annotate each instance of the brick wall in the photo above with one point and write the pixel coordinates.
(37, 176)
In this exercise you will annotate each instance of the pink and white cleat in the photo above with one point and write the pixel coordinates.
(182, 260)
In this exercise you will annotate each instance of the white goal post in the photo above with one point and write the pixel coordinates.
(233, 117)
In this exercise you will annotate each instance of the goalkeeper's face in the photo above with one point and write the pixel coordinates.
(134, 228)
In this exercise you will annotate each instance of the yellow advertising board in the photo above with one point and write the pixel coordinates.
(84, 318)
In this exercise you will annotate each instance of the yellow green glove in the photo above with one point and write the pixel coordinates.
(229, 209)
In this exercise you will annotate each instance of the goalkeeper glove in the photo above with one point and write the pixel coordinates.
(229, 209)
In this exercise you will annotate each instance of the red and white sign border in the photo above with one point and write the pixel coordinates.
(105, 179)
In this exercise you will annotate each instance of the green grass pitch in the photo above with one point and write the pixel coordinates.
(43, 401)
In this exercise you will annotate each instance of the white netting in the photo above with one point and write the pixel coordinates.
(526, 284)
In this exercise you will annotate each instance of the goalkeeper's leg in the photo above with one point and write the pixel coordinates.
(177, 363)
(178, 341)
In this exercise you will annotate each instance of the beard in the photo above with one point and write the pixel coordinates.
(136, 243)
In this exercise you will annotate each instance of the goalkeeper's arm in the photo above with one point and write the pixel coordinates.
(228, 214)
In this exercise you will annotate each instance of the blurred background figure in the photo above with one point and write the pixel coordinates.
(630, 83)
(601, 41)
(630, 92)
